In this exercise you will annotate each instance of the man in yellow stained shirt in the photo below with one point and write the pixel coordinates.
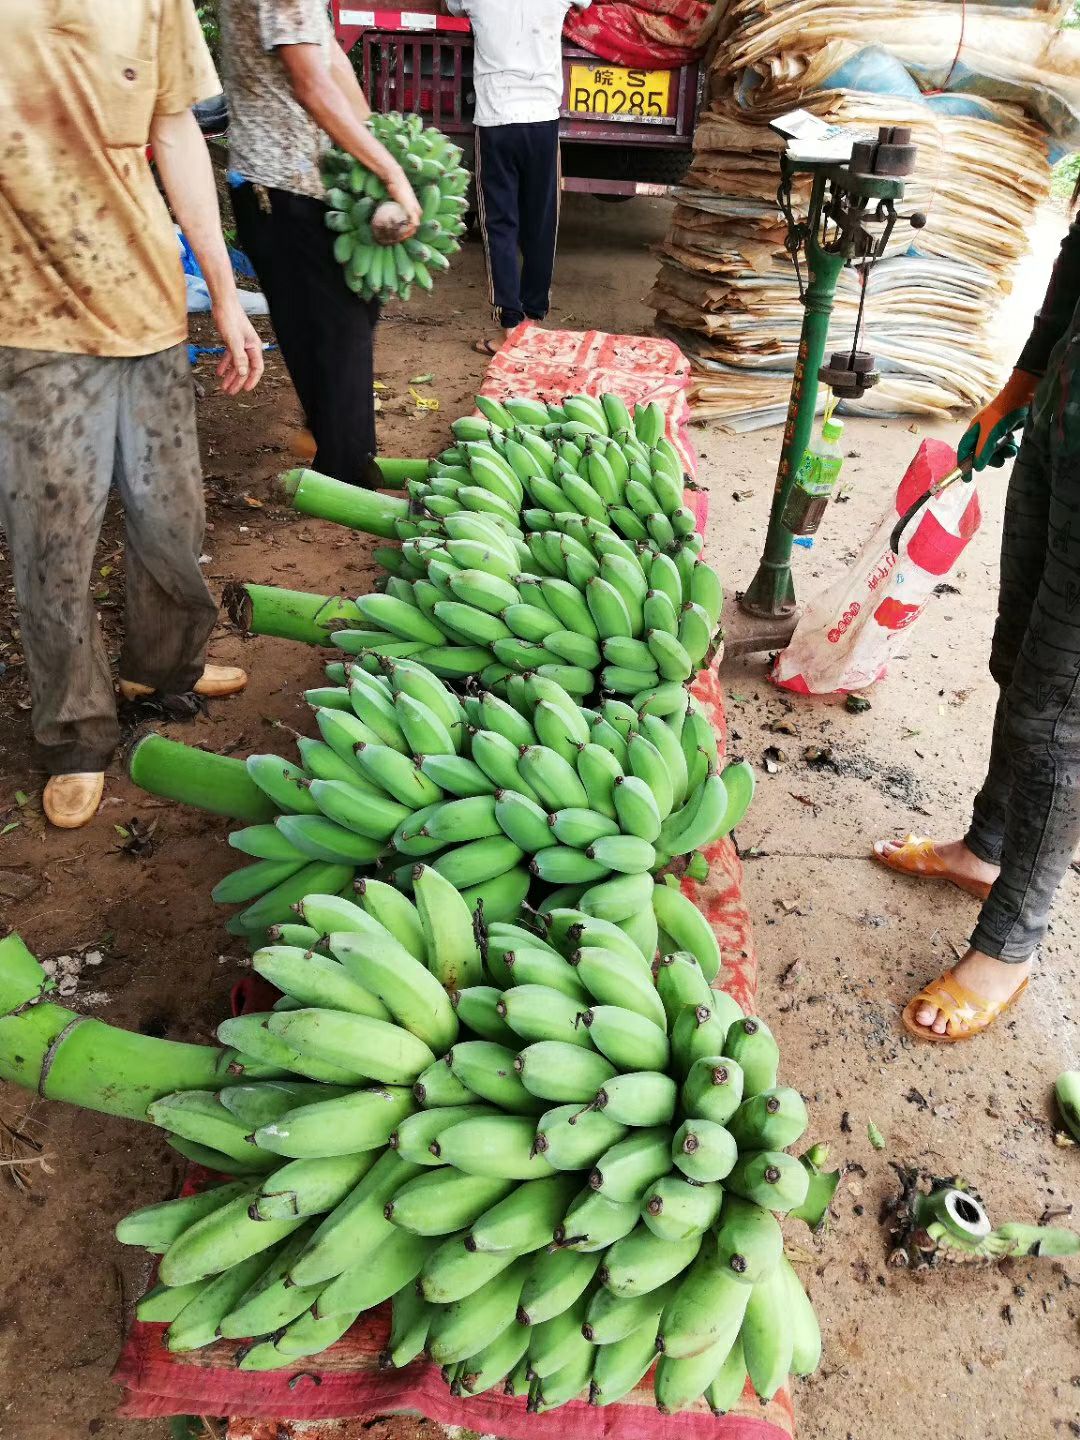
(94, 374)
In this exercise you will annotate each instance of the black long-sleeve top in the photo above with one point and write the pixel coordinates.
(1056, 311)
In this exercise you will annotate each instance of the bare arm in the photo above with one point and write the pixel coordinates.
(335, 112)
(184, 165)
(344, 77)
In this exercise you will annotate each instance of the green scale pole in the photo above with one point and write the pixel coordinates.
(771, 593)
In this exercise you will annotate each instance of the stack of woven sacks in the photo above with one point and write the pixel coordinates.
(992, 96)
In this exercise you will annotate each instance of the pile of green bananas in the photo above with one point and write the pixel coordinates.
(378, 271)
(558, 1166)
(532, 800)
(551, 540)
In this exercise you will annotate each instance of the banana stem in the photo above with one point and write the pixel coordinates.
(216, 783)
(397, 473)
(359, 509)
(65, 1056)
(291, 614)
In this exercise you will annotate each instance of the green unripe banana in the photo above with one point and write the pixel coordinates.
(555, 1280)
(554, 1342)
(700, 1030)
(642, 1262)
(349, 1125)
(677, 1384)
(458, 1329)
(641, 1098)
(443, 1201)
(438, 1086)
(538, 1012)
(570, 1138)
(770, 1120)
(767, 1336)
(453, 1272)
(770, 1178)
(704, 1151)
(416, 1137)
(487, 1071)
(611, 1318)
(561, 1073)
(628, 1040)
(595, 1223)
(613, 979)
(620, 1367)
(749, 1241)
(535, 964)
(680, 982)
(752, 1045)
(526, 1218)
(500, 1146)
(626, 1170)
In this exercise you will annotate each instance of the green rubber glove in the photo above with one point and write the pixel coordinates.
(990, 439)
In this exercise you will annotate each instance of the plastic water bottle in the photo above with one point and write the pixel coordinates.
(815, 480)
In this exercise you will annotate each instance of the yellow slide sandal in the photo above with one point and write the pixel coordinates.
(966, 1013)
(918, 856)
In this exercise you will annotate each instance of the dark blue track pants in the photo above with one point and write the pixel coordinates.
(1027, 815)
(517, 182)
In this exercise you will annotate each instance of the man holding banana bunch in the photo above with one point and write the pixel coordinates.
(292, 91)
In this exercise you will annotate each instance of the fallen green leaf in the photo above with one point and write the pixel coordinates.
(21, 798)
(122, 832)
(11, 825)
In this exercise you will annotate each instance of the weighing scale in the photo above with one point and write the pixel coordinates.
(855, 186)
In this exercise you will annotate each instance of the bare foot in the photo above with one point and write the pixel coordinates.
(956, 856)
(982, 975)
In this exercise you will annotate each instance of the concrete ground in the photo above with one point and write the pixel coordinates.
(955, 1354)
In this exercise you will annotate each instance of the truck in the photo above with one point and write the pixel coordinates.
(625, 132)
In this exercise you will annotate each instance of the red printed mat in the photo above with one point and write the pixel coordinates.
(550, 364)
(345, 1387)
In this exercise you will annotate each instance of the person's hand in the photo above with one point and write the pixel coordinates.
(399, 189)
(241, 367)
(988, 440)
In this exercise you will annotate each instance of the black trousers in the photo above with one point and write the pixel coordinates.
(517, 182)
(325, 331)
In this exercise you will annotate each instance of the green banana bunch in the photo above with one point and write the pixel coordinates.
(377, 263)
(499, 1089)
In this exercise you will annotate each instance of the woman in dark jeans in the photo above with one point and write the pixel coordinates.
(1026, 823)
(291, 90)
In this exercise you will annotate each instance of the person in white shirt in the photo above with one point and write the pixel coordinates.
(518, 78)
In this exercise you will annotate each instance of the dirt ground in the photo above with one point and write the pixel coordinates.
(955, 1355)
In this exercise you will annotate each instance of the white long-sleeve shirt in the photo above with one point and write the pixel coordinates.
(517, 64)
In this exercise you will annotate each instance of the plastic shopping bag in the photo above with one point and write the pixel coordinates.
(847, 635)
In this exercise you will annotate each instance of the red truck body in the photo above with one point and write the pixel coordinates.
(625, 131)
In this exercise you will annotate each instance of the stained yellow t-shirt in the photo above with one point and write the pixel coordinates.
(89, 261)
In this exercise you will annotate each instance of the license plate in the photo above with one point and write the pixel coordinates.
(620, 94)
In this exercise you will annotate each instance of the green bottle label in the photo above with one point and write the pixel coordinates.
(817, 474)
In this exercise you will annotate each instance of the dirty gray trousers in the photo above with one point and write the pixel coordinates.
(71, 426)
(1027, 815)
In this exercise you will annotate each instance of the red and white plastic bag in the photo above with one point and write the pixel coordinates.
(848, 634)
